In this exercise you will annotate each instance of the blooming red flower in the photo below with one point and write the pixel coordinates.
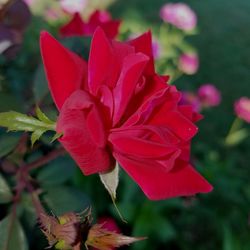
(115, 107)
(77, 27)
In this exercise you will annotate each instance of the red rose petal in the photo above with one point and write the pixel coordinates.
(139, 147)
(125, 88)
(143, 44)
(101, 61)
(74, 28)
(157, 183)
(83, 133)
(65, 70)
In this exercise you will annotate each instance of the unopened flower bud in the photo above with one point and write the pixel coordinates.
(64, 231)
(103, 239)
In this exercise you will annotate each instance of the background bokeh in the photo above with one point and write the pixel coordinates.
(218, 220)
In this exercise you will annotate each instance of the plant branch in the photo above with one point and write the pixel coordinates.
(43, 160)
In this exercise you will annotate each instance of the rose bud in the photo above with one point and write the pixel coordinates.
(103, 239)
(242, 108)
(64, 232)
(188, 63)
(209, 95)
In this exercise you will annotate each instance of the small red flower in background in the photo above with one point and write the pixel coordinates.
(77, 27)
(108, 224)
(115, 107)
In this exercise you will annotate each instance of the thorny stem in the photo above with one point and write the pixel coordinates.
(23, 172)
(23, 181)
(43, 160)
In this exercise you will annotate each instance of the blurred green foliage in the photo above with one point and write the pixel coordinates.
(219, 220)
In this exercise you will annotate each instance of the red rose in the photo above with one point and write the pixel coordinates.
(115, 107)
(77, 27)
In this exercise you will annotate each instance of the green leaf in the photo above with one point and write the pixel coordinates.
(110, 181)
(56, 136)
(151, 223)
(40, 87)
(56, 172)
(8, 143)
(36, 136)
(230, 241)
(42, 117)
(236, 137)
(63, 199)
(12, 236)
(5, 192)
(15, 121)
(8, 101)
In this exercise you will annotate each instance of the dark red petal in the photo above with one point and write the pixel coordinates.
(143, 44)
(139, 147)
(188, 111)
(176, 122)
(147, 108)
(101, 60)
(74, 28)
(132, 69)
(158, 184)
(65, 70)
(99, 16)
(111, 28)
(83, 133)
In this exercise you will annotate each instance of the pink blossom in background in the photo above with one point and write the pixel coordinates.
(189, 63)
(209, 95)
(29, 2)
(52, 14)
(156, 49)
(189, 98)
(179, 15)
(73, 6)
(242, 108)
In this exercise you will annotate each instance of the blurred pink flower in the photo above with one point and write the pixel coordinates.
(29, 2)
(52, 14)
(156, 48)
(209, 95)
(189, 98)
(73, 6)
(179, 15)
(189, 63)
(242, 108)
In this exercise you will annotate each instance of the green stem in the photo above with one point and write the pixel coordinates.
(236, 125)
